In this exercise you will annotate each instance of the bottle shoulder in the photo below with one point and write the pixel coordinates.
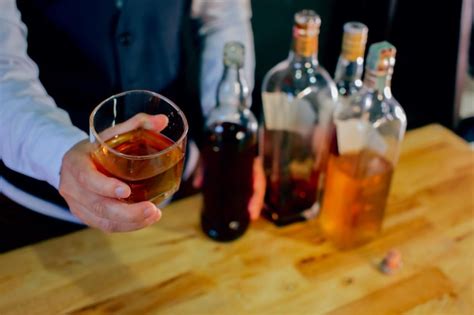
(293, 78)
(275, 75)
(242, 117)
(370, 106)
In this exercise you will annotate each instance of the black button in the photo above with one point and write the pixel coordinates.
(125, 38)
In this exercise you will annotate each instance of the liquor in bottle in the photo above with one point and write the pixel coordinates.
(228, 153)
(299, 98)
(369, 132)
(348, 76)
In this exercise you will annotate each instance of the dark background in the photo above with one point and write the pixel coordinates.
(426, 34)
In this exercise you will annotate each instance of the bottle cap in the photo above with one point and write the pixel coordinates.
(305, 33)
(381, 57)
(307, 23)
(234, 54)
(354, 40)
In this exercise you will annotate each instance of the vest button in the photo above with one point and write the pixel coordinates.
(125, 39)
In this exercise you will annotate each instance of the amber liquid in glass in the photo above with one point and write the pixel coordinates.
(356, 192)
(153, 179)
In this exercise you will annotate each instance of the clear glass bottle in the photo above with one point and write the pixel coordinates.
(228, 153)
(299, 98)
(369, 132)
(348, 75)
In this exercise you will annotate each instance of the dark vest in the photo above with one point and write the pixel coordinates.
(88, 50)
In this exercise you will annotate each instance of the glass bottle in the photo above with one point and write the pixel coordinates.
(228, 154)
(369, 132)
(348, 75)
(298, 97)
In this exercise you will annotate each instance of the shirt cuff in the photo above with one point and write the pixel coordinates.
(61, 145)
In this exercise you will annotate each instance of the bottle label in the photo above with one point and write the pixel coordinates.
(354, 135)
(282, 113)
(353, 45)
(297, 114)
(305, 44)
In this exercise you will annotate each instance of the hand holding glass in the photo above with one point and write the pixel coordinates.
(140, 139)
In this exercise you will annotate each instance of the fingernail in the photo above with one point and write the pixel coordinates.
(149, 212)
(120, 192)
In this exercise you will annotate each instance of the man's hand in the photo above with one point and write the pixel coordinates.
(94, 197)
(259, 185)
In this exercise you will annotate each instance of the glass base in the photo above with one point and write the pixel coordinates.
(164, 198)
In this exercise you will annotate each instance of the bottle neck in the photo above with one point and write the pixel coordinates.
(232, 91)
(351, 61)
(349, 71)
(379, 83)
(295, 58)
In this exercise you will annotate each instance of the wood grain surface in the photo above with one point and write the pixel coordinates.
(172, 268)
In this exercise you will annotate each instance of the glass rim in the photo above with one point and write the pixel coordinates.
(138, 157)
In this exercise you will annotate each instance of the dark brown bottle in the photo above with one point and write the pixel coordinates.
(228, 154)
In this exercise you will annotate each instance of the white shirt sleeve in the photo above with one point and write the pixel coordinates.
(222, 21)
(34, 133)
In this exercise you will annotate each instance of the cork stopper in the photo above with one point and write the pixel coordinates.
(354, 40)
(234, 54)
(381, 57)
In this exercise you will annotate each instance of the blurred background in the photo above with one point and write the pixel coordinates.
(434, 66)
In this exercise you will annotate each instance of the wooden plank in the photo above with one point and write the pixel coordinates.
(402, 296)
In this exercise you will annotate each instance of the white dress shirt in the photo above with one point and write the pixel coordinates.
(35, 134)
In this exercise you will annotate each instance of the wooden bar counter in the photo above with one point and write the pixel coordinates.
(172, 268)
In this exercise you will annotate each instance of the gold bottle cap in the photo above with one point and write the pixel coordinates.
(354, 40)
(306, 32)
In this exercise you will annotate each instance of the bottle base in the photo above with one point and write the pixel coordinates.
(344, 244)
(279, 219)
(346, 239)
(224, 232)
